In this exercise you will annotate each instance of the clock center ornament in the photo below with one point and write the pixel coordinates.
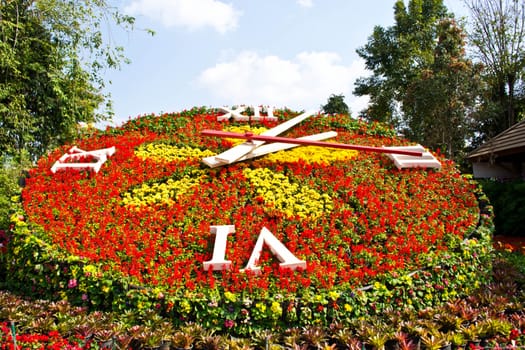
(227, 213)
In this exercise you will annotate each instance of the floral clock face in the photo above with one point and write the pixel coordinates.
(147, 213)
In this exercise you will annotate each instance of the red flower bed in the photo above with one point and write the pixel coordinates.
(383, 219)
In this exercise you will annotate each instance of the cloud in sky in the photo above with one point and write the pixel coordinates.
(190, 14)
(306, 81)
(305, 3)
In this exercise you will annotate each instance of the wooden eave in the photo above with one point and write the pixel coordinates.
(508, 144)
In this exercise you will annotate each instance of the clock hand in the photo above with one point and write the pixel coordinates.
(263, 138)
(270, 148)
(427, 160)
(239, 151)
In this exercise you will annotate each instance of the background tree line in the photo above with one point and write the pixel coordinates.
(425, 84)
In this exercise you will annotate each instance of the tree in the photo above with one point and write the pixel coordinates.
(52, 55)
(422, 82)
(336, 105)
(440, 102)
(498, 34)
(396, 54)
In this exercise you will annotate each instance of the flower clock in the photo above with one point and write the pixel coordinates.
(292, 235)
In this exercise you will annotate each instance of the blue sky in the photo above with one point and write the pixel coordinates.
(280, 53)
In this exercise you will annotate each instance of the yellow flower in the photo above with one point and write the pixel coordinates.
(230, 296)
(320, 299)
(348, 308)
(276, 309)
(378, 285)
(312, 154)
(261, 307)
(241, 129)
(407, 279)
(90, 270)
(162, 193)
(333, 295)
(185, 306)
(290, 198)
(161, 152)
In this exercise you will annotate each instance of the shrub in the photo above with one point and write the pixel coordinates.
(508, 200)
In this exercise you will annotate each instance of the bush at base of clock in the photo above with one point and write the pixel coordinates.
(386, 238)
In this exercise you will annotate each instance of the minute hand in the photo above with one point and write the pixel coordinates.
(252, 137)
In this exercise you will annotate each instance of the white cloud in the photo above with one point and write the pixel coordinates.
(190, 14)
(305, 3)
(304, 82)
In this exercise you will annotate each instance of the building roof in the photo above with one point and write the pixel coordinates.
(510, 142)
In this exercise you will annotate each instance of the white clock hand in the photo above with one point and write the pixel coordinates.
(270, 148)
(234, 153)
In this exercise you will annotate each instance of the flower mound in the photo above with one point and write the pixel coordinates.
(144, 220)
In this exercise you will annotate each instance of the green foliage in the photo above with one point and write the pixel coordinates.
(8, 190)
(12, 175)
(438, 100)
(422, 82)
(52, 56)
(50, 273)
(508, 199)
(396, 54)
(514, 264)
(498, 34)
(336, 105)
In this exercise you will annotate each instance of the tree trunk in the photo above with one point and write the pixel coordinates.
(511, 118)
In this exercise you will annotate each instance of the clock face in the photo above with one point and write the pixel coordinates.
(147, 213)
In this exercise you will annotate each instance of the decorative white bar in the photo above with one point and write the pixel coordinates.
(287, 259)
(269, 112)
(218, 260)
(75, 153)
(427, 160)
(235, 113)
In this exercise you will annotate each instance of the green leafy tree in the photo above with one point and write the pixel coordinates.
(498, 35)
(336, 105)
(422, 83)
(52, 56)
(439, 103)
(396, 54)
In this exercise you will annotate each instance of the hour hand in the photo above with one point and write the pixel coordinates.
(261, 150)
